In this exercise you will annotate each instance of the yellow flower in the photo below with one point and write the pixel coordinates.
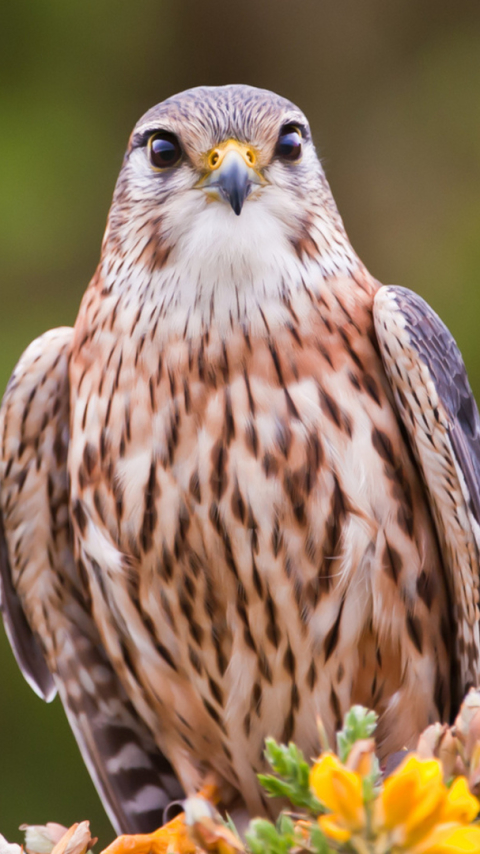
(412, 798)
(461, 805)
(414, 813)
(333, 827)
(450, 838)
(340, 791)
(422, 816)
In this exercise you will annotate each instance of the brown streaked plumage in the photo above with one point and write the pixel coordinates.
(273, 506)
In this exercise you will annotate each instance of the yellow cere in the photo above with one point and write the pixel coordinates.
(216, 157)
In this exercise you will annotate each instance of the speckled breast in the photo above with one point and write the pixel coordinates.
(257, 542)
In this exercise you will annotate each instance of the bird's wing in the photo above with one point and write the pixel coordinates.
(45, 597)
(438, 410)
(26, 648)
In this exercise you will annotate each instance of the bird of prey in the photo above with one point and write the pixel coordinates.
(243, 491)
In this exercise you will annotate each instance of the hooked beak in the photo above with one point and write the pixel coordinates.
(231, 173)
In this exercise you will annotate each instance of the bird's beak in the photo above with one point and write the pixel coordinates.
(231, 173)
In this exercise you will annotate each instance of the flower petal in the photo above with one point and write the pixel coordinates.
(412, 793)
(321, 779)
(42, 838)
(460, 804)
(9, 847)
(338, 788)
(333, 830)
(451, 838)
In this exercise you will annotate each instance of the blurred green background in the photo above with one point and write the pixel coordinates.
(392, 89)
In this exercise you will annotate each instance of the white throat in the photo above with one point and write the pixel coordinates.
(227, 269)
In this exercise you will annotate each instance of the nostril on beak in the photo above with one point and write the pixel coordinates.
(214, 158)
(232, 171)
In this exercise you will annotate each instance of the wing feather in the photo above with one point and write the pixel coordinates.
(45, 598)
(25, 646)
(436, 404)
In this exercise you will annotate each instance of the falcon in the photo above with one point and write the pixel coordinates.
(243, 491)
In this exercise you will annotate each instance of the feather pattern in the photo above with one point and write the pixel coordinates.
(438, 409)
(46, 601)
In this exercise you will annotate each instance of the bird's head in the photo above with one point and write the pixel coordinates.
(221, 189)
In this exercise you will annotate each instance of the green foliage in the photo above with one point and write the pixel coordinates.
(292, 780)
(263, 837)
(371, 783)
(318, 842)
(359, 723)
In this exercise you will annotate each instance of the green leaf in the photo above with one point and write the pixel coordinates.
(372, 782)
(359, 723)
(262, 837)
(285, 825)
(318, 841)
(292, 780)
(276, 788)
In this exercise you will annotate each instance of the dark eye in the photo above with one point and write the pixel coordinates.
(289, 145)
(164, 149)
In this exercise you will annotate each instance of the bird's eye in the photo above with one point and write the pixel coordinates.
(164, 150)
(289, 145)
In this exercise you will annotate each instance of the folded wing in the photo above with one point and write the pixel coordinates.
(439, 413)
(45, 600)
